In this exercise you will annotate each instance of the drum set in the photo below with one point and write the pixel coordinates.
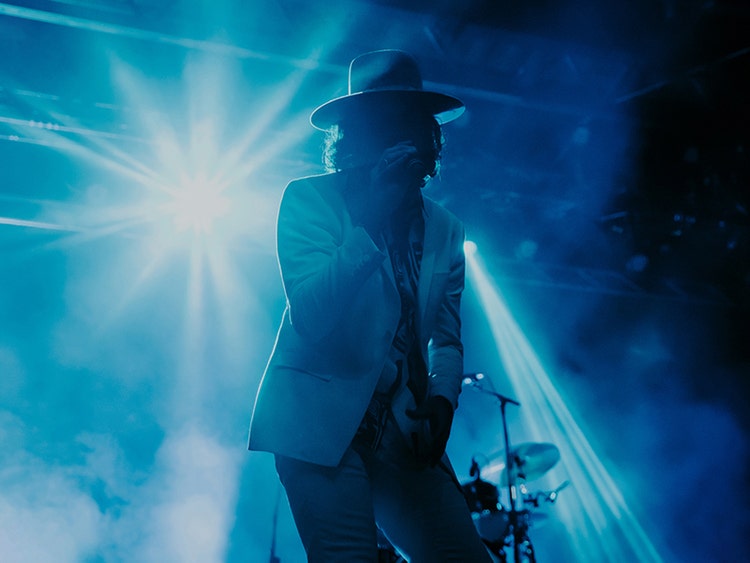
(507, 529)
(504, 529)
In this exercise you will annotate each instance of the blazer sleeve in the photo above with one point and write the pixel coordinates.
(323, 258)
(445, 348)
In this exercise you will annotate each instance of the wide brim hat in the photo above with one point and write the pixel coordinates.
(384, 78)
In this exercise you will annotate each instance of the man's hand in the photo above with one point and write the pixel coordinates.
(438, 412)
(389, 183)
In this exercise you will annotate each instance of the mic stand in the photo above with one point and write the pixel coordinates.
(519, 534)
(513, 516)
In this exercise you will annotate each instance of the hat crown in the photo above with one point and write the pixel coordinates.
(379, 79)
(387, 69)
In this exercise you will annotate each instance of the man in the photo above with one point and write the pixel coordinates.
(358, 396)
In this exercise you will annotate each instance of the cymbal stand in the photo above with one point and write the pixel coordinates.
(519, 530)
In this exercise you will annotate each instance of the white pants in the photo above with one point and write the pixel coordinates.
(421, 510)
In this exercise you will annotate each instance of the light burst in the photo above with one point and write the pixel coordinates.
(179, 196)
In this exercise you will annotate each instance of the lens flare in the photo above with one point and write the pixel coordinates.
(196, 207)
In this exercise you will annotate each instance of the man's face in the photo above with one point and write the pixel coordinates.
(411, 126)
(389, 126)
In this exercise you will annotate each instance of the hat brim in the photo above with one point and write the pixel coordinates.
(445, 108)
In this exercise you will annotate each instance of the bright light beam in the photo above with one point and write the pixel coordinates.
(36, 225)
(162, 38)
(197, 206)
(598, 520)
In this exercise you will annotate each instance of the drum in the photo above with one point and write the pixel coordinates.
(493, 526)
(481, 495)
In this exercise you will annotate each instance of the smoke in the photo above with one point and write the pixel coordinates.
(45, 516)
(181, 509)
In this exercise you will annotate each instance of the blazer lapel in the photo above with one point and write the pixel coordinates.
(428, 263)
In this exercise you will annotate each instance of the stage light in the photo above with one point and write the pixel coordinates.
(470, 247)
(196, 206)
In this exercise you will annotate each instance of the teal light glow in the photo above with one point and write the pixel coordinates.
(599, 523)
(470, 247)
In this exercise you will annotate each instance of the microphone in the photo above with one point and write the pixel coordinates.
(472, 378)
(417, 168)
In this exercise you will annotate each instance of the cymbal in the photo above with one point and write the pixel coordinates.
(531, 460)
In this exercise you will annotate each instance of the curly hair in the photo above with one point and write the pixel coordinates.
(360, 139)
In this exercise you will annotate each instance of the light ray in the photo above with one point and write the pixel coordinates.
(37, 225)
(598, 520)
(162, 38)
(51, 134)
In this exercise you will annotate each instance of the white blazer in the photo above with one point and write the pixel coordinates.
(342, 311)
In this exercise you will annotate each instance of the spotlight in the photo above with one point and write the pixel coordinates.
(196, 207)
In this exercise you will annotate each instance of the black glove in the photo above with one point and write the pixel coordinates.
(438, 412)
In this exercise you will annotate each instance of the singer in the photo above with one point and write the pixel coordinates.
(358, 397)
